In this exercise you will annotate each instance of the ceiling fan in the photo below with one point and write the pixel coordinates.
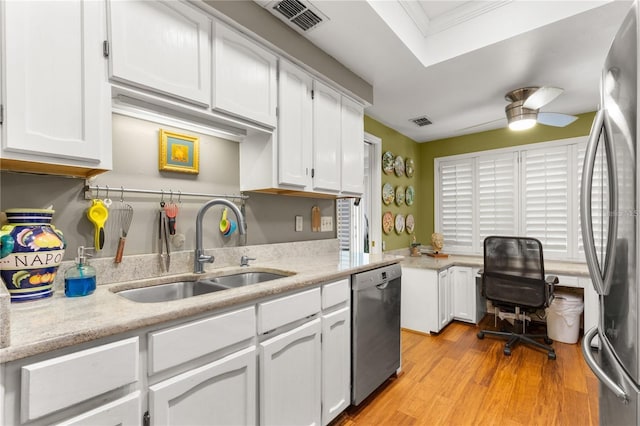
(523, 112)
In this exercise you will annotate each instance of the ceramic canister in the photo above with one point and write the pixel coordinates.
(31, 250)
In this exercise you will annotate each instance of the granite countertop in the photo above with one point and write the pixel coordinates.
(57, 322)
(551, 267)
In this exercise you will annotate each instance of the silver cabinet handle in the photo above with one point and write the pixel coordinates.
(595, 367)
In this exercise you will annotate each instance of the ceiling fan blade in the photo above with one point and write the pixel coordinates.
(541, 97)
(555, 119)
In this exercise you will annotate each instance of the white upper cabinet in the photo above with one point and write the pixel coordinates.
(164, 46)
(244, 77)
(56, 100)
(294, 126)
(352, 147)
(327, 113)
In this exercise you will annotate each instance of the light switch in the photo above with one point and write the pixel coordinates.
(326, 224)
(298, 223)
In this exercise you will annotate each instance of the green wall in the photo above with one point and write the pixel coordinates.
(493, 139)
(401, 145)
(425, 153)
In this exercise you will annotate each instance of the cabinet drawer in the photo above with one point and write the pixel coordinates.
(335, 293)
(85, 374)
(285, 310)
(199, 338)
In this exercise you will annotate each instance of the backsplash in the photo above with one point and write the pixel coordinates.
(270, 218)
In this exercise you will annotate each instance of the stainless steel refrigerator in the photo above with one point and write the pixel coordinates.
(609, 223)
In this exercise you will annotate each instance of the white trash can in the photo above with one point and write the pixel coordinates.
(563, 317)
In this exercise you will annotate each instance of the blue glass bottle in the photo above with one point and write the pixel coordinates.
(80, 280)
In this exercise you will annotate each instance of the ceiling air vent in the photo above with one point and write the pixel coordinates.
(298, 14)
(421, 121)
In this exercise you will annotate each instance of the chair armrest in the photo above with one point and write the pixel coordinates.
(480, 272)
(551, 280)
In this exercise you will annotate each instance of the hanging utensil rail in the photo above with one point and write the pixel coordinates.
(88, 192)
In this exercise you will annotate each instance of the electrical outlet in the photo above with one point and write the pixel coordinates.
(326, 224)
(298, 223)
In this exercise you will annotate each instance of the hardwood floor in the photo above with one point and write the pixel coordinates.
(456, 379)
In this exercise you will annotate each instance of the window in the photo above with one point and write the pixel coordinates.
(358, 226)
(530, 190)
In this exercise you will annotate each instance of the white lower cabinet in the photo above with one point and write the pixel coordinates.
(463, 290)
(95, 385)
(336, 349)
(124, 411)
(431, 299)
(445, 306)
(290, 377)
(419, 300)
(222, 392)
(282, 361)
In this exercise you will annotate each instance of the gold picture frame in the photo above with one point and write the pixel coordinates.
(178, 153)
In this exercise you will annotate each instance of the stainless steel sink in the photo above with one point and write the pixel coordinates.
(243, 279)
(185, 289)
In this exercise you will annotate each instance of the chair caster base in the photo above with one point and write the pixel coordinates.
(548, 341)
(551, 355)
(480, 335)
(507, 351)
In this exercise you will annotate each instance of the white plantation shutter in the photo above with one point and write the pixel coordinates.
(545, 198)
(456, 203)
(497, 183)
(344, 223)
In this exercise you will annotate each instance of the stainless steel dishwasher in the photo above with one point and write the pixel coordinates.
(375, 329)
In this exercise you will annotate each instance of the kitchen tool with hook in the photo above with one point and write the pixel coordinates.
(124, 216)
(98, 214)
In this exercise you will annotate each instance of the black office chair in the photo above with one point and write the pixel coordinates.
(513, 280)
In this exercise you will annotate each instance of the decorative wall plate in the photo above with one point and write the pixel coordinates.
(387, 193)
(399, 223)
(410, 223)
(400, 195)
(409, 195)
(409, 167)
(398, 166)
(387, 162)
(387, 222)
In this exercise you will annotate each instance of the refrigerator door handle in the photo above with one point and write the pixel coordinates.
(585, 204)
(597, 370)
(601, 279)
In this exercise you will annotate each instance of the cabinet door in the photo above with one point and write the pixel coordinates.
(163, 46)
(244, 77)
(336, 363)
(57, 96)
(419, 300)
(294, 126)
(327, 133)
(124, 411)
(220, 393)
(290, 382)
(352, 147)
(463, 289)
(445, 313)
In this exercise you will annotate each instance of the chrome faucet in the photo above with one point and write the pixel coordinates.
(244, 260)
(199, 257)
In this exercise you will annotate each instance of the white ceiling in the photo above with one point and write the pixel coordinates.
(454, 61)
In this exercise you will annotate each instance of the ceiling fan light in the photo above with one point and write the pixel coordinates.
(519, 117)
(522, 124)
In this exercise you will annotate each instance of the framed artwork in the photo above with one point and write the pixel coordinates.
(178, 153)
